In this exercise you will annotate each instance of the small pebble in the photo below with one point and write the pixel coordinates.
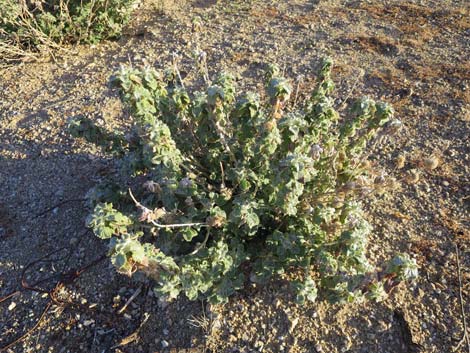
(430, 163)
(88, 322)
(412, 176)
(400, 161)
(294, 323)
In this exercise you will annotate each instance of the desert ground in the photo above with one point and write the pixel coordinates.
(411, 53)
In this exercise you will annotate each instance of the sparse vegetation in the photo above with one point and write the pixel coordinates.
(30, 26)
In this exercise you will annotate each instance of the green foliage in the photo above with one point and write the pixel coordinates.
(106, 221)
(404, 267)
(32, 25)
(306, 290)
(225, 187)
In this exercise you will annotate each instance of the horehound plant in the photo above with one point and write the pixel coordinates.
(29, 27)
(222, 189)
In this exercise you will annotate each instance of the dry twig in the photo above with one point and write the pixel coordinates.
(465, 338)
(61, 280)
(133, 336)
(136, 293)
(158, 225)
(343, 104)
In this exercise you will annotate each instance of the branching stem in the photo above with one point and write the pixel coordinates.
(203, 244)
(175, 66)
(164, 226)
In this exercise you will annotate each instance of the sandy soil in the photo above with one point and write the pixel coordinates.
(412, 53)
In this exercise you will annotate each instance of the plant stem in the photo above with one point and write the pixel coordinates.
(164, 226)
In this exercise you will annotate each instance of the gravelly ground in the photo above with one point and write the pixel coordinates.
(411, 53)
